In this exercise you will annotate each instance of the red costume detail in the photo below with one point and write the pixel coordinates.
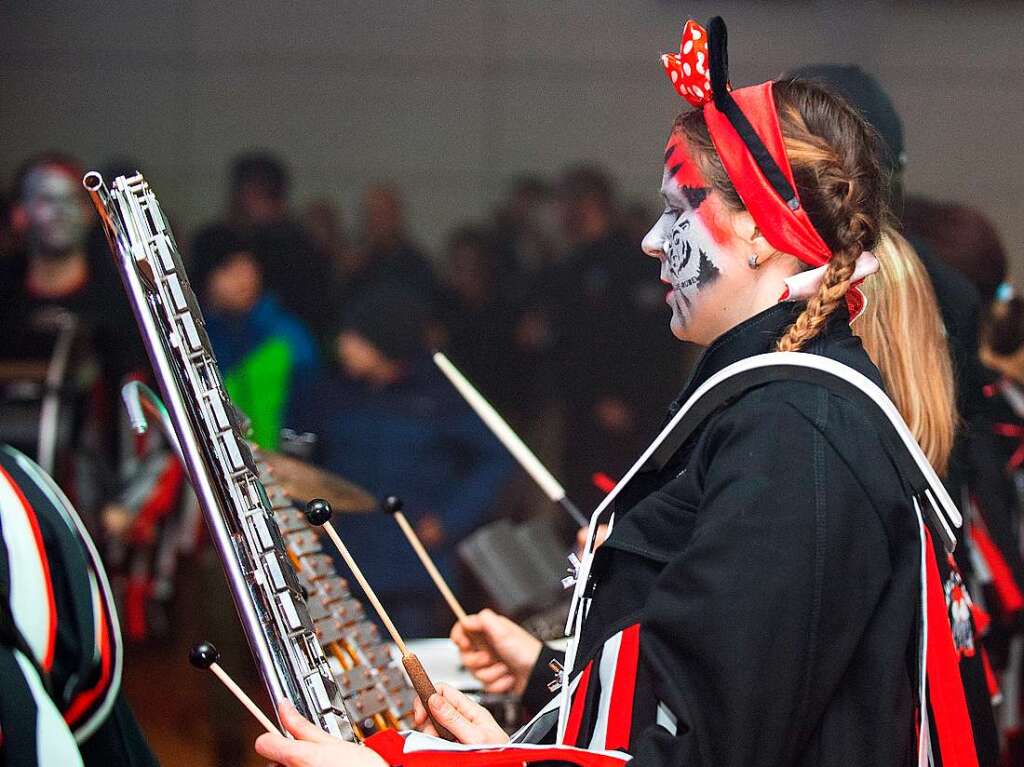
(572, 725)
(688, 70)
(390, 746)
(1012, 431)
(603, 482)
(620, 710)
(81, 704)
(952, 723)
(1003, 582)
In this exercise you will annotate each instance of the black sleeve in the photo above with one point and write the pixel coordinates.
(750, 628)
(118, 742)
(536, 695)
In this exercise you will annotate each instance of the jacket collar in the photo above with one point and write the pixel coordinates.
(758, 335)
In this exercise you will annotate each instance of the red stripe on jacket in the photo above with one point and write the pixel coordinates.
(84, 700)
(620, 708)
(945, 686)
(579, 701)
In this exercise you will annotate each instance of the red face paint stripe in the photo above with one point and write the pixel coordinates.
(51, 604)
(579, 700)
(680, 164)
(620, 708)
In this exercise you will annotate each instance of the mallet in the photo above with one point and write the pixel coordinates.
(318, 514)
(393, 506)
(205, 656)
(500, 428)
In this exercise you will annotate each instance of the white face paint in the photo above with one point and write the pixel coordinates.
(683, 243)
(57, 211)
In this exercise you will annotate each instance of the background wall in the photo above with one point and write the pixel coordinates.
(452, 97)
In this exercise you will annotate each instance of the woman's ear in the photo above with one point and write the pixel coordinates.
(746, 232)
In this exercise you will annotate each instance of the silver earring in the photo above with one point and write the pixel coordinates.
(752, 261)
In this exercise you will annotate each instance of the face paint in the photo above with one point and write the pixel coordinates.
(684, 238)
(56, 209)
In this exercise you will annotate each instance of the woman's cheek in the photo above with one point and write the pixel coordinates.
(713, 217)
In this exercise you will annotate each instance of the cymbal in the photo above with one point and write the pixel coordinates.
(304, 482)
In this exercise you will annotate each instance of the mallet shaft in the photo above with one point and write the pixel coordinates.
(428, 563)
(530, 463)
(367, 588)
(244, 699)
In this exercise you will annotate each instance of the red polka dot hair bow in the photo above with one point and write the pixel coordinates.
(688, 70)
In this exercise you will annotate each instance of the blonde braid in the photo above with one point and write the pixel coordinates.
(844, 191)
(830, 294)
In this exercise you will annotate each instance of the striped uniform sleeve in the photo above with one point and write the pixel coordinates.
(413, 749)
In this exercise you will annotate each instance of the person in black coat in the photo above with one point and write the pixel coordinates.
(757, 601)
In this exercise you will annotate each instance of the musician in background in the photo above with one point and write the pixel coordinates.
(386, 419)
(69, 343)
(384, 252)
(262, 349)
(60, 300)
(259, 209)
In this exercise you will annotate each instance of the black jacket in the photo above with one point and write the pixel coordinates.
(773, 570)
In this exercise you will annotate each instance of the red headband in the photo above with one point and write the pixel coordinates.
(744, 127)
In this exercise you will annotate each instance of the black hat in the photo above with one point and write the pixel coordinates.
(213, 249)
(866, 94)
(390, 316)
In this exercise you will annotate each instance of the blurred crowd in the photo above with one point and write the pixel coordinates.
(323, 322)
(323, 328)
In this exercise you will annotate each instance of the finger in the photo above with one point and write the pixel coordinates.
(581, 538)
(477, 658)
(492, 673)
(493, 625)
(466, 706)
(281, 750)
(419, 713)
(421, 719)
(502, 685)
(449, 717)
(459, 637)
(471, 624)
(300, 727)
(483, 669)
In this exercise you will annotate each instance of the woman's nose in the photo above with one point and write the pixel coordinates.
(653, 243)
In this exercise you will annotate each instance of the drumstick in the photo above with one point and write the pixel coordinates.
(500, 428)
(393, 506)
(318, 513)
(205, 656)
